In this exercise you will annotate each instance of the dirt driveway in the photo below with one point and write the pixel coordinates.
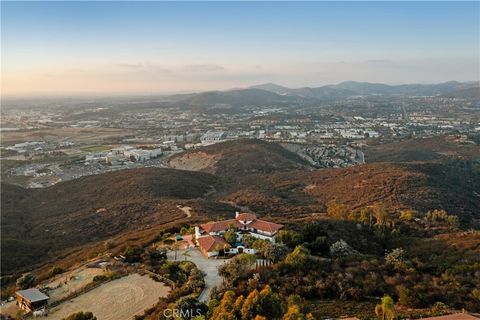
(208, 266)
(119, 299)
(70, 282)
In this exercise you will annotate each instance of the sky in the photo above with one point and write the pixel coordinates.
(62, 48)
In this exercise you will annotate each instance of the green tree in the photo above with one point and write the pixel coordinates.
(189, 306)
(237, 268)
(262, 246)
(230, 235)
(26, 281)
(276, 252)
(289, 237)
(320, 246)
(248, 240)
(299, 258)
(270, 303)
(385, 310)
(341, 249)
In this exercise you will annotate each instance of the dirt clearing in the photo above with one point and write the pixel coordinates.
(119, 299)
(194, 161)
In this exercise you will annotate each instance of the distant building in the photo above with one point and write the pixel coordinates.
(211, 137)
(31, 299)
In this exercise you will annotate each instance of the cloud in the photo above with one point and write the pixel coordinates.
(130, 65)
(381, 61)
(202, 68)
(386, 63)
(143, 67)
(179, 69)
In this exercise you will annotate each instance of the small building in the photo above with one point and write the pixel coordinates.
(31, 299)
(212, 245)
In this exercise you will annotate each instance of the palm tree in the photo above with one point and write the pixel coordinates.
(186, 254)
(218, 248)
(385, 310)
(176, 247)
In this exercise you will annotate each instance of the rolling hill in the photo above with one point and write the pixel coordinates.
(352, 88)
(272, 94)
(238, 158)
(453, 186)
(237, 98)
(271, 180)
(472, 93)
(40, 225)
(36, 224)
(422, 149)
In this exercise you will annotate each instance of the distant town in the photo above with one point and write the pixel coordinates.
(51, 141)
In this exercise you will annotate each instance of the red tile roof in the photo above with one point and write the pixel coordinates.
(455, 316)
(210, 243)
(265, 225)
(220, 225)
(246, 217)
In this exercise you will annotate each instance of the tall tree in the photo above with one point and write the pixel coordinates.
(385, 310)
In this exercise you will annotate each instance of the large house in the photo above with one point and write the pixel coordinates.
(210, 239)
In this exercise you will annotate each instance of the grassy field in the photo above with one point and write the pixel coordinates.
(78, 135)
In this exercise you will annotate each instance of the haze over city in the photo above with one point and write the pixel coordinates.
(61, 48)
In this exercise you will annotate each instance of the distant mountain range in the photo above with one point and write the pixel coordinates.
(352, 88)
(274, 94)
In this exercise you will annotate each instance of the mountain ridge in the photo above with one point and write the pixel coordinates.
(352, 88)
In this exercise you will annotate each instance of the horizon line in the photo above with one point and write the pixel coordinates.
(143, 94)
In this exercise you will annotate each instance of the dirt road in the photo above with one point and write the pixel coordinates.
(186, 210)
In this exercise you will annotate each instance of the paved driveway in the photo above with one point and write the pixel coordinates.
(208, 266)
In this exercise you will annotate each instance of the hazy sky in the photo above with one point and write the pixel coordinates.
(158, 47)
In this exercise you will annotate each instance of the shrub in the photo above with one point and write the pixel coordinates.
(396, 257)
(81, 316)
(406, 215)
(54, 271)
(133, 254)
(341, 249)
(26, 281)
(100, 278)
